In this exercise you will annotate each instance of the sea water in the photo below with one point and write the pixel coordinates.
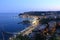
(9, 24)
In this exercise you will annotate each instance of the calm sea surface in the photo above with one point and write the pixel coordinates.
(9, 23)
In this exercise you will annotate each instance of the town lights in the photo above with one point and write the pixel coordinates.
(35, 22)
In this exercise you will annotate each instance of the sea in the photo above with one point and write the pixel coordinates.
(9, 24)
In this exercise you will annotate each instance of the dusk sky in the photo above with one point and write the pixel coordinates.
(28, 5)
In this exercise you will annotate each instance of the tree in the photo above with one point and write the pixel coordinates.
(20, 37)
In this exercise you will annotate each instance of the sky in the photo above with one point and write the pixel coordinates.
(29, 5)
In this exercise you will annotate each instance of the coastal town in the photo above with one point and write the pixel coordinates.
(43, 25)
